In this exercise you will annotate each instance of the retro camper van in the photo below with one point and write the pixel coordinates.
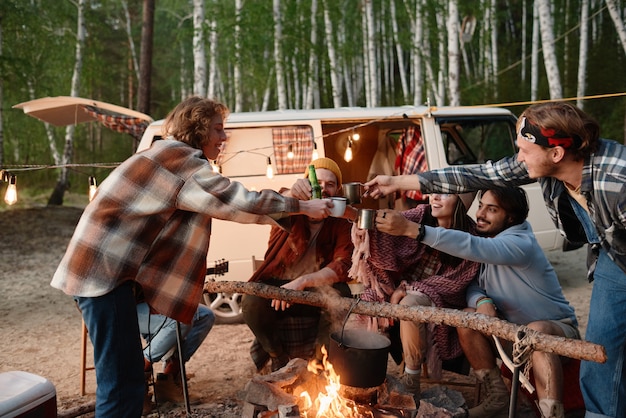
(364, 142)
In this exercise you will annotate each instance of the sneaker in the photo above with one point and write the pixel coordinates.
(169, 389)
(279, 362)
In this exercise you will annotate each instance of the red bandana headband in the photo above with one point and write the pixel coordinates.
(549, 138)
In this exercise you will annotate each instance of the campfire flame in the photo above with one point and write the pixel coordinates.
(328, 404)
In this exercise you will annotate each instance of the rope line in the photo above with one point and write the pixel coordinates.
(32, 167)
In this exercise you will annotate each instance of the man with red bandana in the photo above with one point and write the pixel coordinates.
(583, 179)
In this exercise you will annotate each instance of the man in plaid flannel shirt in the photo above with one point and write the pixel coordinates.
(149, 224)
(583, 179)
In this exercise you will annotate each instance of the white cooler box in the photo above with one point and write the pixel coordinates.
(26, 395)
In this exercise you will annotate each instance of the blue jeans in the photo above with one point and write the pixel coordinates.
(604, 385)
(160, 332)
(111, 321)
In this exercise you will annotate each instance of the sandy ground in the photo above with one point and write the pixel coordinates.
(41, 328)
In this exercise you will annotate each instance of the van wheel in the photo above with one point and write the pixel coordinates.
(225, 306)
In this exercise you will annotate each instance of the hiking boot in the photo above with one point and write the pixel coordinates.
(148, 405)
(411, 383)
(168, 388)
(496, 402)
(551, 408)
(279, 362)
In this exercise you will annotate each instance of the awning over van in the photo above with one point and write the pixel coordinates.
(65, 110)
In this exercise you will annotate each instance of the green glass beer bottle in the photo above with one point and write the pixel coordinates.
(315, 186)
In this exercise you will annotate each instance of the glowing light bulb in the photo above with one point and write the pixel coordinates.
(290, 152)
(93, 186)
(315, 154)
(269, 171)
(11, 195)
(355, 136)
(348, 154)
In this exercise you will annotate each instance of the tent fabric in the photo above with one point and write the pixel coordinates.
(118, 122)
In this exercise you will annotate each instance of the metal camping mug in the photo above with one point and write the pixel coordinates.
(366, 218)
(353, 192)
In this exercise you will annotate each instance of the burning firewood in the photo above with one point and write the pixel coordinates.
(567, 347)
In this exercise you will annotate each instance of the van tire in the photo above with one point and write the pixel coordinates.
(225, 306)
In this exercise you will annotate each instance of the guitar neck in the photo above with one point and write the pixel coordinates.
(219, 269)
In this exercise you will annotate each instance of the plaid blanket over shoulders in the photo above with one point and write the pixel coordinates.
(444, 279)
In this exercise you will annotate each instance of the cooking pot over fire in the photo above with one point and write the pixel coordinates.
(359, 356)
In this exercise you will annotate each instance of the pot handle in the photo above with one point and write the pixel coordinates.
(343, 326)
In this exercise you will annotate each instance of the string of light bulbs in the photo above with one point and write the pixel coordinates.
(9, 177)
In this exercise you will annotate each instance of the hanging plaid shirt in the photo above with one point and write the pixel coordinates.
(150, 222)
(603, 186)
(411, 158)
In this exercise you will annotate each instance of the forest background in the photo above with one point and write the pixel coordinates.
(289, 54)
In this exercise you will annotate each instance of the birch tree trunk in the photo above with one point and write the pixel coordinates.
(145, 57)
(524, 47)
(454, 62)
(54, 152)
(312, 85)
(1, 100)
(278, 57)
(399, 52)
(582, 52)
(549, 52)
(332, 58)
(486, 44)
(212, 76)
(416, 54)
(237, 66)
(617, 21)
(534, 65)
(199, 54)
(493, 23)
(366, 59)
(442, 73)
(184, 84)
(131, 43)
(372, 99)
(68, 149)
(133, 77)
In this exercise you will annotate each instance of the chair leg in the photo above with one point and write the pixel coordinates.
(83, 358)
(183, 373)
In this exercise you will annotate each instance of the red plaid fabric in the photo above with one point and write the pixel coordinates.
(300, 139)
(135, 127)
(411, 158)
(444, 280)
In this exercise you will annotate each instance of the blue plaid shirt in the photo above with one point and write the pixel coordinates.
(603, 185)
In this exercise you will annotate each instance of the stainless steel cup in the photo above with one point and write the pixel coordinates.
(353, 192)
(366, 219)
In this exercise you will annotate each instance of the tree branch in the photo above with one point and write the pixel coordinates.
(568, 347)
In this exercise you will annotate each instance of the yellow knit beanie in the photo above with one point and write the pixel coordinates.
(328, 164)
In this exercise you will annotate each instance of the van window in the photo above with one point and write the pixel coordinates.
(247, 149)
(472, 141)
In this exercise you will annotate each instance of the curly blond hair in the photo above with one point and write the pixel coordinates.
(190, 120)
